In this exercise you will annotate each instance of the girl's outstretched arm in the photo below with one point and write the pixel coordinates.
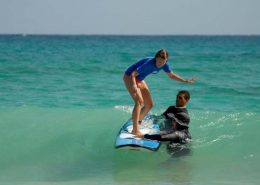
(178, 78)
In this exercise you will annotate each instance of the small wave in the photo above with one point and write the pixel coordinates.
(204, 142)
(221, 138)
(250, 114)
(201, 116)
(221, 120)
(125, 108)
(129, 109)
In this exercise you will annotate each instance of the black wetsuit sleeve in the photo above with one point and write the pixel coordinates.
(177, 136)
(168, 110)
(153, 137)
(165, 112)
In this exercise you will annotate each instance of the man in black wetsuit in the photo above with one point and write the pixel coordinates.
(178, 119)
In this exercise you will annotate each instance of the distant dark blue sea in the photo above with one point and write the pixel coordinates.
(63, 101)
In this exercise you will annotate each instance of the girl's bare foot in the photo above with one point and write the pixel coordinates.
(138, 134)
(141, 136)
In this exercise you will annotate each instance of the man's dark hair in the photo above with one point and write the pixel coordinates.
(186, 93)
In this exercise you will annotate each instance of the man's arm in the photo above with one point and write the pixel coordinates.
(166, 112)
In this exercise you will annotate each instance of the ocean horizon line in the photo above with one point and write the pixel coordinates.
(131, 35)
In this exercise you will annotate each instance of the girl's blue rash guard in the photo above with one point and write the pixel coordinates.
(145, 67)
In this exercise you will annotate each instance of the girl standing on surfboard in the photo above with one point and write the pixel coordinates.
(134, 81)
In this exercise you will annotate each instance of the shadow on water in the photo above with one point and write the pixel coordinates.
(166, 166)
(176, 150)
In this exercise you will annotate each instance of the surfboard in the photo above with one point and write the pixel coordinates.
(125, 139)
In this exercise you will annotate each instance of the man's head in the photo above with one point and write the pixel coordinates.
(182, 98)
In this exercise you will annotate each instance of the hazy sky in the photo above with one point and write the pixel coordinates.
(130, 16)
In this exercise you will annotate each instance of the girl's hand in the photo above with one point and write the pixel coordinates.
(191, 80)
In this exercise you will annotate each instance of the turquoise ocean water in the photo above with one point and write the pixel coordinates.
(62, 102)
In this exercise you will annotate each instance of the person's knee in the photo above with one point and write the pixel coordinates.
(149, 105)
(139, 102)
